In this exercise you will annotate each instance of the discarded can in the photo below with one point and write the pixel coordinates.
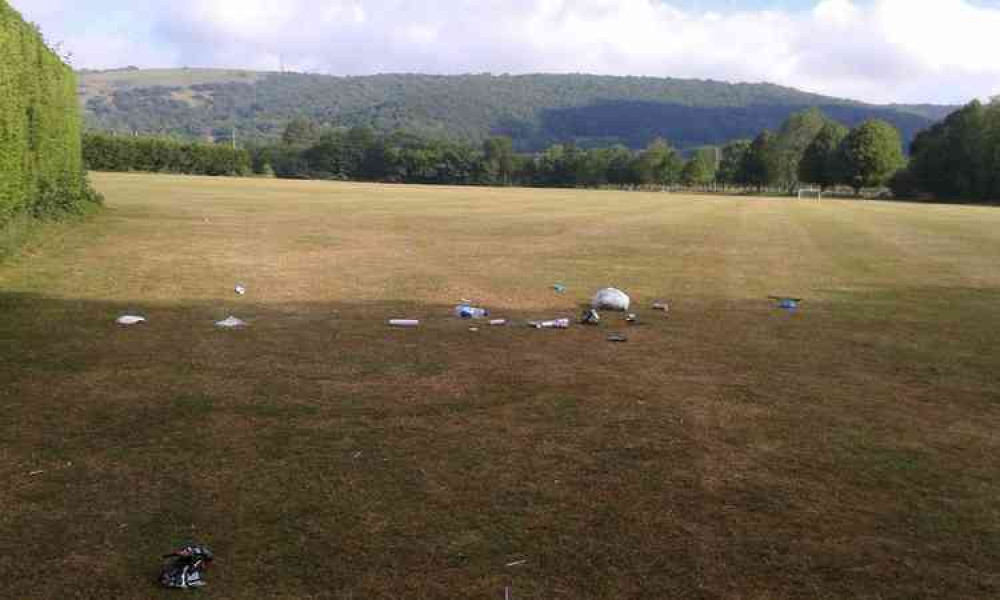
(617, 337)
(661, 306)
(240, 289)
(559, 288)
(590, 317)
(632, 319)
(404, 323)
(555, 324)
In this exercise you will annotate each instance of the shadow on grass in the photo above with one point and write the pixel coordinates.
(726, 451)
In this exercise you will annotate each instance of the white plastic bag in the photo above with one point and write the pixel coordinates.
(130, 320)
(230, 322)
(611, 299)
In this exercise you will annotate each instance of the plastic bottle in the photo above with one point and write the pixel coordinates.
(556, 324)
(471, 312)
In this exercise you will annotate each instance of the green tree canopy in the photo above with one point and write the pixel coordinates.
(820, 161)
(791, 142)
(870, 154)
(300, 132)
(732, 167)
(760, 165)
(660, 164)
(701, 169)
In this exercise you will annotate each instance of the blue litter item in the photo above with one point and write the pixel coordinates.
(559, 288)
(787, 303)
(471, 312)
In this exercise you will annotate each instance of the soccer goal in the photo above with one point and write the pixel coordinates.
(810, 193)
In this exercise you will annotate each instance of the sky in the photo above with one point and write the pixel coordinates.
(913, 51)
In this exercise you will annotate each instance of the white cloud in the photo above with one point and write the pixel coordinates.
(877, 50)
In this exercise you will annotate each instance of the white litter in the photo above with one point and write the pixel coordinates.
(611, 299)
(555, 324)
(240, 289)
(230, 322)
(404, 323)
(130, 320)
(498, 322)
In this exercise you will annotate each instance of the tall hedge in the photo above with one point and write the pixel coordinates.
(41, 165)
(102, 152)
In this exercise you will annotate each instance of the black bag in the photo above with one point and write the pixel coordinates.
(183, 568)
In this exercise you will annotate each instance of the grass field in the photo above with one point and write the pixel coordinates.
(732, 450)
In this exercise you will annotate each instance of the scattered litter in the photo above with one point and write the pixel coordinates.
(473, 329)
(506, 593)
(240, 289)
(466, 311)
(590, 317)
(554, 324)
(787, 303)
(33, 473)
(130, 320)
(404, 323)
(559, 288)
(617, 337)
(498, 322)
(611, 299)
(231, 322)
(183, 568)
(661, 306)
(517, 563)
(464, 301)
(356, 455)
(632, 319)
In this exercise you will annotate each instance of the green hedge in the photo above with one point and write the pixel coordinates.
(162, 155)
(41, 163)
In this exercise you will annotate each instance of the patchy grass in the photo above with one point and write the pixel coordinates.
(730, 451)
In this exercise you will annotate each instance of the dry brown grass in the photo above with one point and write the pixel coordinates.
(730, 451)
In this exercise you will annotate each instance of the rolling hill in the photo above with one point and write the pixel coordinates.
(534, 110)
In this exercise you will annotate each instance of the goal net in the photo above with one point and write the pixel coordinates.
(810, 193)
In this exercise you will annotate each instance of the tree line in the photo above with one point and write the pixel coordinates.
(956, 159)
(809, 148)
(102, 152)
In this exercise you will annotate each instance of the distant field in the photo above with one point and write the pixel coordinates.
(730, 451)
(102, 83)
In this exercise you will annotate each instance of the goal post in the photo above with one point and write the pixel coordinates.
(810, 193)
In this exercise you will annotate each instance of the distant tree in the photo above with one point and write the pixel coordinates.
(732, 167)
(701, 169)
(954, 158)
(820, 161)
(761, 164)
(498, 159)
(621, 166)
(870, 154)
(791, 142)
(659, 164)
(300, 132)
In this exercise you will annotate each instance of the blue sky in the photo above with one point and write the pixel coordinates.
(875, 50)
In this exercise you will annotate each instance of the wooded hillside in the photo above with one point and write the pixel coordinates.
(535, 111)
